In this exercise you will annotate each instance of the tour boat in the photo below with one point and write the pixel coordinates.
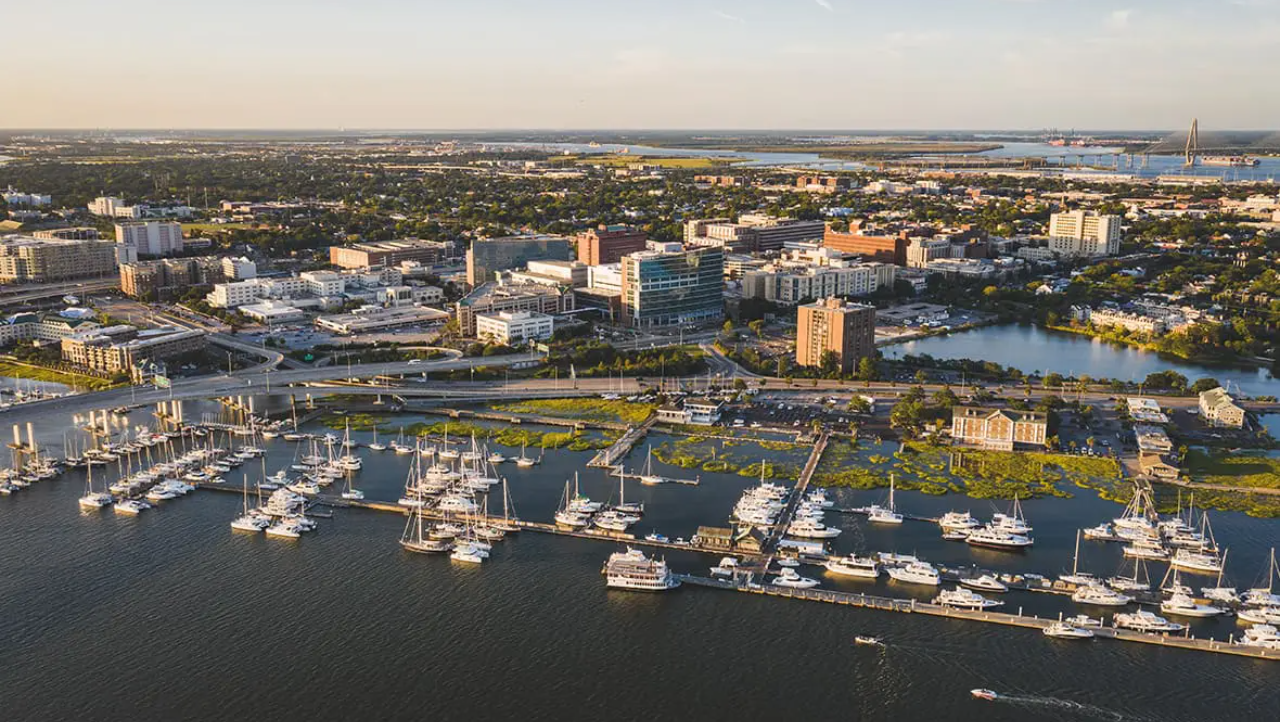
(964, 599)
(788, 577)
(916, 573)
(853, 566)
(1063, 630)
(634, 571)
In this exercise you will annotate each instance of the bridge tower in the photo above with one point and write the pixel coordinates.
(1193, 142)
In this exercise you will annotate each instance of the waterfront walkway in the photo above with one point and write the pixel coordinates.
(608, 458)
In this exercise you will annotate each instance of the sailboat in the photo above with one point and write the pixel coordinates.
(248, 521)
(1264, 596)
(622, 505)
(92, 499)
(352, 493)
(446, 453)
(1134, 583)
(414, 539)
(375, 445)
(648, 478)
(1219, 593)
(524, 461)
(1076, 576)
(566, 516)
(881, 515)
(508, 519)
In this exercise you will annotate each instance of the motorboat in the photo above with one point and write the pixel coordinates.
(809, 529)
(1144, 621)
(868, 641)
(985, 583)
(572, 519)
(853, 566)
(1195, 562)
(468, 553)
(916, 573)
(984, 694)
(791, 562)
(284, 529)
(1146, 549)
(1083, 620)
(1013, 522)
(1226, 595)
(654, 536)
(1099, 596)
(965, 599)
(1259, 615)
(1063, 630)
(251, 522)
(1102, 532)
(1181, 605)
(788, 577)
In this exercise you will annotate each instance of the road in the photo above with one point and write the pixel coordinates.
(11, 295)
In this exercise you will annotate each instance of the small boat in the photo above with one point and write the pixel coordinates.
(984, 694)
(654, 536)
(885, 515)
(965, 599)
(1083, 620)
(1144, 621)
(1062, 630)
(853, 566)
(868, 641)
(132, 507)
(726, 568)
(787, 562)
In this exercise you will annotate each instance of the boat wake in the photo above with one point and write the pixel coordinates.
(1077, 709)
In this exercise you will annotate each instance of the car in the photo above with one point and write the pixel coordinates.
(414, 361)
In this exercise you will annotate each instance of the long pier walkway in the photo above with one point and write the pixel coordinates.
(802, 484)
(911, 606)
(607, 458)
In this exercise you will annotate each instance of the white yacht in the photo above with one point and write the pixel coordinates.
(726, 568)
(965, 599)
(613, 521)
(285, 529)
(809, 529)
(1063, 630)
(1181, 605)
(1261, 635)
(1100, 596)
(958, 521)
(496, 458)
(853, 566)
(94, 499)
(251, 522)
(788, 577)
(1259, 615)
(916, 573)
(132, 507)
(1102, 532)
(635, 571)
(1013, 522)
(1083, 620)
(998, 537)
(1146, 549)
(985, 583)
(648, 478)
(1144, 621)
(467, 552)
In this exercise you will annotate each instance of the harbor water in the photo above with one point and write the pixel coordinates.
(172, 616)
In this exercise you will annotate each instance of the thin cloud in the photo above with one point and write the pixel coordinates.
(825, 5)
(1119, 19)
(731, 18)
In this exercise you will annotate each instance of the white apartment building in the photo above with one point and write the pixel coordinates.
(920, 251)
(151, 238)
(514, 327)
(1135, 322)
(239, 269)
(18, 198)
(1082, 233)
(791, 284)
(605, 277)
(113, 207)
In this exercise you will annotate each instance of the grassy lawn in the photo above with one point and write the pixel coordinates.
(510, 435)
(37, 373)
(623, 161)
(587, 409)
(197, 228)
(1234, 469)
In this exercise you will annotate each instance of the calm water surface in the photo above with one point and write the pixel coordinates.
(171, 616)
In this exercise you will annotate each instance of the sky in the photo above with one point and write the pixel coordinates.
(642, 64)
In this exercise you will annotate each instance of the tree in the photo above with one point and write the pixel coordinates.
(867, 369)
(829, 363)
(1052, 380)
(922, 377)
(739, 385)
(945, 398)
(757, 327)
(1204, 384)
(859, 405)
(728, 327)
(907, 414)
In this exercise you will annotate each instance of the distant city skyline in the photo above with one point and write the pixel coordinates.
(695, 64)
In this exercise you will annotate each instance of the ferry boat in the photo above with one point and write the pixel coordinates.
(853, 566)
(635, 571)
(964, 599)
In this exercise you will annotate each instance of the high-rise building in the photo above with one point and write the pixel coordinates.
(847, 329)
(167, 278)
(673, 288)
(608, 244)
(239, 269)
(382, 254)
(490, 255)
(25, 259)
(151, 238)
(1083, 233)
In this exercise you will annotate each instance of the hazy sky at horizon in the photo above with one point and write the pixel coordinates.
(421, 64)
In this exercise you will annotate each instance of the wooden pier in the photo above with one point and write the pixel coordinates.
(911, 606)
(608, 458)
(797, 494)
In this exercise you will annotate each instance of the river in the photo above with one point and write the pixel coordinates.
(1034, 349)
(171, 616)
